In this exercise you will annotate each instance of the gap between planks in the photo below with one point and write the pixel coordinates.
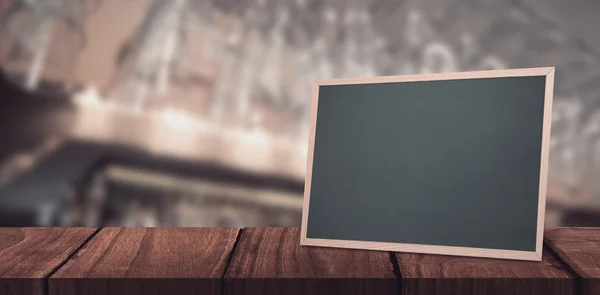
(230, 258)
(578, 286)
(46, 279)
(396, 271)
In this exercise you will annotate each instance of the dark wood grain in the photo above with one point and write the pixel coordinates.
(580, 249)
(148, 261)
(439, 274)
(271, 261)
(29, 255)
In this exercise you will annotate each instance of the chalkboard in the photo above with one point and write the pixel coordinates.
(449, 163)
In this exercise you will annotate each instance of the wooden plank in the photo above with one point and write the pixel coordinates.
(271, 261)
(148, 261)
(29, 255)
(580, 249)
(437, 274)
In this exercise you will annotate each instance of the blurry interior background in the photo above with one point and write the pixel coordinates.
(195, 112)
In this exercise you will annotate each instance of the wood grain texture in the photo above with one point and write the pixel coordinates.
(580, 249)
(271, 261)
(312, 129)
(544, 159)
(29, 255)
(148, 261)
(440, 274)
(524, 72)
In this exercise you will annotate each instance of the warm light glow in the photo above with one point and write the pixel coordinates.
(178, 119)
(179, 133)
(87, 98)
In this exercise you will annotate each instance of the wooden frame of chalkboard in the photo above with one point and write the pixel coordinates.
(547, 72)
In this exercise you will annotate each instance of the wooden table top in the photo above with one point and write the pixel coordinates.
(270, 261)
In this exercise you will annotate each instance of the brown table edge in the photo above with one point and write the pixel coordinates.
(393, 260)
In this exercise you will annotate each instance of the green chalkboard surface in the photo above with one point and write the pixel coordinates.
(440, 163)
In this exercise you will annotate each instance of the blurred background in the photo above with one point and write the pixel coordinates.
(195, 112)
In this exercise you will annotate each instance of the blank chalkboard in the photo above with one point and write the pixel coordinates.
(450, 163)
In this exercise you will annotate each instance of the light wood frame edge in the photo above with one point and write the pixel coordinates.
(536, 255)
(546, 130)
